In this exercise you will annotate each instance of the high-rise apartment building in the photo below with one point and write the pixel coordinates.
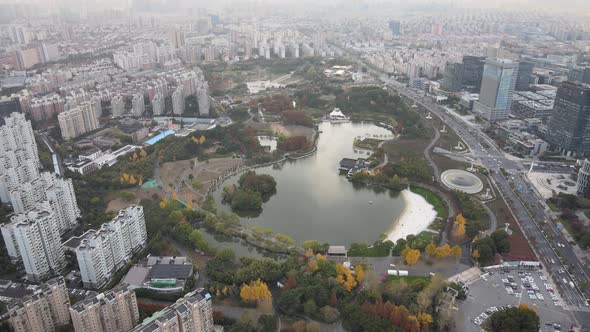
(583, 185)
(78, 120)
(523, 79)
(102, 253)
(34, 238)
(178, 101)
(44, 310)
(57, 192)
(178, 39)
(395, 27)
(137, 105)
(158, 105)
(193, 312)
(473, 71)
(112, 311)
(569, 126)
(497, 89)
(117, 106)
(19, 158)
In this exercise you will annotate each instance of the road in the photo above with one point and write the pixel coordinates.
(546, 247)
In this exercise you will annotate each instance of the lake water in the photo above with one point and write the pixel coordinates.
(314, 202)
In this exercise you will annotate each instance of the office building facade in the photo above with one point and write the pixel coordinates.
(497, 89)
(523, 79)
(473, 71)
(453, 77)
(583, 185)
(569, 126)
(579, 74)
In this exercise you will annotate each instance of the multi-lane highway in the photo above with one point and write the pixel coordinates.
(527, 206)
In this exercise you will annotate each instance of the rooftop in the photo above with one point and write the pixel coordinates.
(161, 271)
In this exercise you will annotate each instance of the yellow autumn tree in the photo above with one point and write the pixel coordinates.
(424, 319)
(321, 258)
(125, 177)
(340, 269)
(456, 251)
(132, 180)
(134, 156)
(350, 282)
(359, 273)
(443, 251)
(313, 265)
(475, 254)
(143, 154)
(412, 256)
(202, 139)
(140, 180)
(175, 196)
(195, 140)
(308, 253)
(255, 291)
(162, 205)
(459, 227)
(430, 249)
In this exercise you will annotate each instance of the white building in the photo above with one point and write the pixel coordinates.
(137, 105)
(178, 101)
(19, 158)
(103, 252)
(33, 237)
(117, 106)
(158, 105)
(78, 120)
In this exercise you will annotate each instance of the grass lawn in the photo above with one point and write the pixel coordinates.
(433, 199)
(427, 237)
(438, 225)
(405, 148)
(445, 163)
(412, 280)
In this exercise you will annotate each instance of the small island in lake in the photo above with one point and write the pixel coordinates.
(251, 191)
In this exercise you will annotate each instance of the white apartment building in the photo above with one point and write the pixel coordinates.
(19, 158)
(58, 192)
(113, 311)
(137, 105)
(117, 106)
(78, 120)
(193, 312)
(44, 310)
(102, 253)
(33, 238)
(158, 105)
(178, 101)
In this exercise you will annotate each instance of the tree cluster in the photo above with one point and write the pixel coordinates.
(485, 249)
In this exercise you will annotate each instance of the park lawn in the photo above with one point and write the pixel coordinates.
(433, 199)
(445, 163)
(405, 148)
(426, 237)
(411, 280)
(438, 225)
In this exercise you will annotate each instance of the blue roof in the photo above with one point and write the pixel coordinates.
(159, 137)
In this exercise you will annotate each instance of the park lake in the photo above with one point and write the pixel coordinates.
(314, 201)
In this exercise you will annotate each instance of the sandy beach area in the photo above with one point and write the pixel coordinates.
(416, 217)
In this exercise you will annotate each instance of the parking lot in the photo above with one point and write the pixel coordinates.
(497, 290)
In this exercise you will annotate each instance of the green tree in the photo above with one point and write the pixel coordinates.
(267, 323)
(522, 319)
(502, 241)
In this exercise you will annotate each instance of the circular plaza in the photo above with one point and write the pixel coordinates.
(457, 179)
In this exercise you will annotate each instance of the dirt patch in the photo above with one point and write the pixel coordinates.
(519, 246)
(117, 203)
(178, 176)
